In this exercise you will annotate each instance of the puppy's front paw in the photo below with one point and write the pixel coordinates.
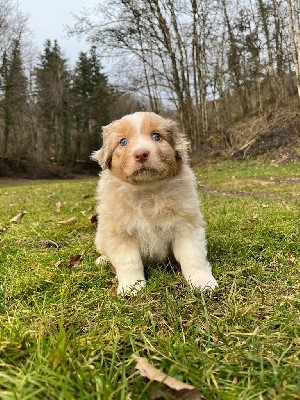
(203, 281)
(130, 287)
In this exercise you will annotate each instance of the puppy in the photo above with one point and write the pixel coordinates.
(147, 202)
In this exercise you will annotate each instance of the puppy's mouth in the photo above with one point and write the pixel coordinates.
(144, 174)
(145, 171)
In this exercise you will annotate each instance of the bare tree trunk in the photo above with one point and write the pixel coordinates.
(234, 65)
(294, 28)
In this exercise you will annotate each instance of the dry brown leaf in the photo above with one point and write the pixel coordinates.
(18, 217)
(74, 261)
(163, 385)
(69, 221)
(93, 219)
(58, 207)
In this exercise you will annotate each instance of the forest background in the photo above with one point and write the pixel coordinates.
(226, 70)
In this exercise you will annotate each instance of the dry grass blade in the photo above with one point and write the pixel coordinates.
(49, 244)
(69, 221)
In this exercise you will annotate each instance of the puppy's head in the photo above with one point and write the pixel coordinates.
(142, 147)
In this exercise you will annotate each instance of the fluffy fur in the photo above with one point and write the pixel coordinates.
(147, 202)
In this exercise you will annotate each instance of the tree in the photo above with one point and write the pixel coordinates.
(294, 28)
(89, 102)
(53, 87)
(160, 38)
(14, 135)
(14, 102)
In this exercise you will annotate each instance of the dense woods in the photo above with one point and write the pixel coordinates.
(207, 63)
(51, 114)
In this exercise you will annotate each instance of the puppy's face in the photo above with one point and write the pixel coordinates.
(142, 147)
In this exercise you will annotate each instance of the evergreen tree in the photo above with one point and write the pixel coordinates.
(90, 102)
(5, 102)
(14, 101)
(53, 85)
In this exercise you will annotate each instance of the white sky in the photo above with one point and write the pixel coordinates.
(47, 20)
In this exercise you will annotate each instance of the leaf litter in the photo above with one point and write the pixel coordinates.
(73, 262)
(162, 385)
(18, 217)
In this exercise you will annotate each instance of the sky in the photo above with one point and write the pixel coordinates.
(47, 19)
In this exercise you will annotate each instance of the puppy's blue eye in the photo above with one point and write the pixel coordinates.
(156, 136)
(123, 142)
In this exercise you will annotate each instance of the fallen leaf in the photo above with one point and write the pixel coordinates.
(74, 261)
(93, 219)
(69, 221)
(18, 217)
(163, 385)
(58, 207)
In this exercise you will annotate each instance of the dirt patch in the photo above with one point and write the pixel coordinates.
(281, 142)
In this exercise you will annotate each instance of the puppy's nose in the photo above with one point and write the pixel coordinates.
(141, 155)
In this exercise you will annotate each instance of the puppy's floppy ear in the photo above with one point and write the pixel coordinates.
(104, 155)
(178, 140)
(101, 158)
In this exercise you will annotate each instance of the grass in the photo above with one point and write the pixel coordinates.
(65, 334)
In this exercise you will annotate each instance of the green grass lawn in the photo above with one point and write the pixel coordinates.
(65, 334)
